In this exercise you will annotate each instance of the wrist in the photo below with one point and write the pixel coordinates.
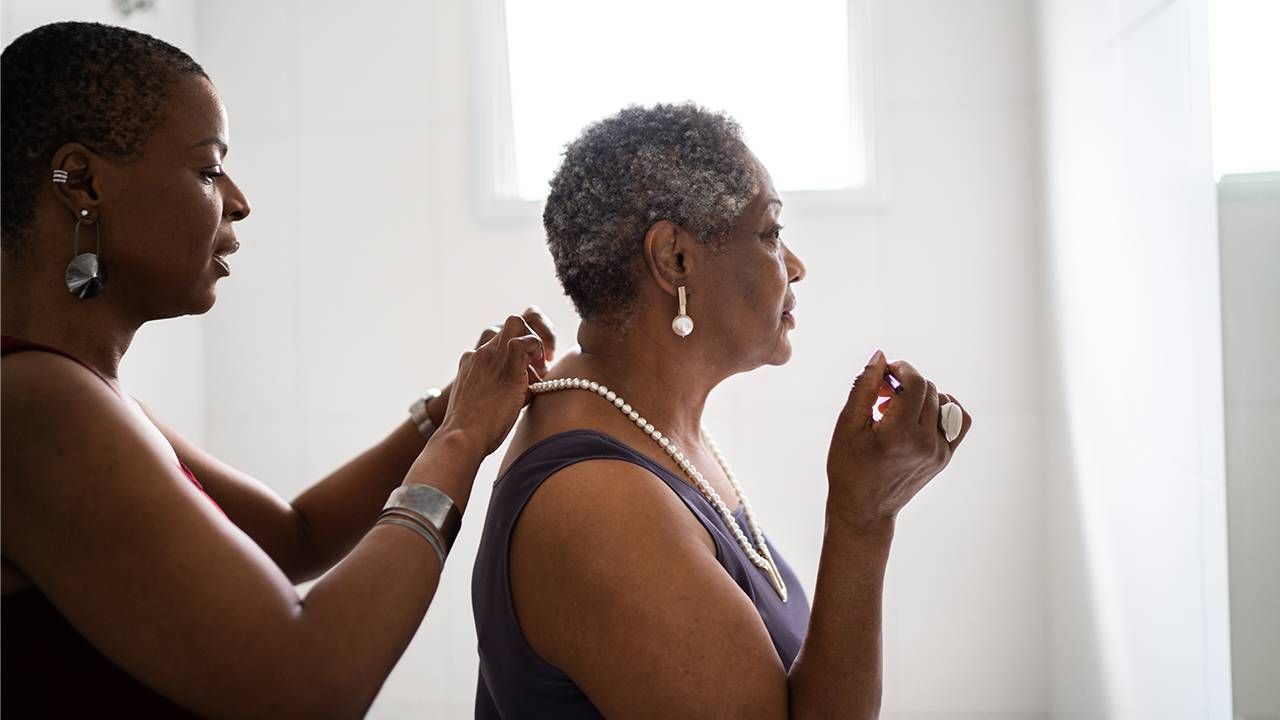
(449, 463)
(460, 443)
(873, 530)
(438, 406)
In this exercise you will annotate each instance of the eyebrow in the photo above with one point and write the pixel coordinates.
(213, 141)
(774, 201)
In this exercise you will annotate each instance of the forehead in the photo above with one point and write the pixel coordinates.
(766, 199)
(193, 112)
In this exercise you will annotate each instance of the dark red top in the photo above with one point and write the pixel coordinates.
(47, 668)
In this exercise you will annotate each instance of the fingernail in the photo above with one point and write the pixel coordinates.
(876, 357)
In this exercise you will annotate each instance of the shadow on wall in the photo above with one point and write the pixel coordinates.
(1077, 661)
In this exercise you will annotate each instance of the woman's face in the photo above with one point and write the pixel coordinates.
(166, 218)
(748, 297)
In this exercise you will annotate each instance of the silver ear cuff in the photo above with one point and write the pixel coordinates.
(59, 176)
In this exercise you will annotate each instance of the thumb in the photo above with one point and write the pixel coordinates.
(866, 389)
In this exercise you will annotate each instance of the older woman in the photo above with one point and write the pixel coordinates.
(142, 576)
(622, 573)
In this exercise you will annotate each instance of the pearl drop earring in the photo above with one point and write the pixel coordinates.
(682, 325)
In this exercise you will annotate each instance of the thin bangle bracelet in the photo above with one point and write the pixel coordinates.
(416, 527)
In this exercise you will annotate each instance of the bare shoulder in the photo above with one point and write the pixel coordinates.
(72, 444)
(42, 393)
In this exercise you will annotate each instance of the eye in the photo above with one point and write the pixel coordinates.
(773, 235)
(210, 174)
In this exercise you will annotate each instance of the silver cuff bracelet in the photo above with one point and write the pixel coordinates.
(434, 507)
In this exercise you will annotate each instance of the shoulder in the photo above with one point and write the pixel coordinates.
(45, 396)
(64, 426)
(607, 500)
(606, 562)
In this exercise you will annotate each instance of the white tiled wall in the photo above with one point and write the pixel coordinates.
(1137, 519)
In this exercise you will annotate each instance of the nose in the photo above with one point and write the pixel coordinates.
(235, 204)
(795, 268)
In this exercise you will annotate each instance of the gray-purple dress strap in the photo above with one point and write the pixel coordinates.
(514, 682)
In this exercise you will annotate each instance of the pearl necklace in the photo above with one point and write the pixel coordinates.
(759, 553)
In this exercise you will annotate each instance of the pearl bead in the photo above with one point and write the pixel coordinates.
(682, 325)
(631, 413)
(611, 396)
(594, 386)
(649, 428)
(663, 441)
(618, 402)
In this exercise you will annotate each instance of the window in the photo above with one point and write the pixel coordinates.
(1242, 79)
(794, 75)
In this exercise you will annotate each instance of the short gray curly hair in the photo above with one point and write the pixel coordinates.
(680, 163)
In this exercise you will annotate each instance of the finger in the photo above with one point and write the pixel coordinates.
(864, 393)
(929, 412)
(488, 334)
(464, 361)
(523, 353)
(513, 327)
(543, 326)
(910, 401)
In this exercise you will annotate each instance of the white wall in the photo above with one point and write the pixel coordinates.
(1249, 228)
(365, 270)
(1138, 556)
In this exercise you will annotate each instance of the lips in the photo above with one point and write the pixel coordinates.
(221, 253)
(788, 311)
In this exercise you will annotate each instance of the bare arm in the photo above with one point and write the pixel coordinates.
(152, 574)
(606, 563)
(307, 536)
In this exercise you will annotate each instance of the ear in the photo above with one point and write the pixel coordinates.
(80, 191)
(668, 254)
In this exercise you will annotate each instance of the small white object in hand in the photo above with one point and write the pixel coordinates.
(950, 420)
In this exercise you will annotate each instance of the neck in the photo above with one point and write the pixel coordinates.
(667, 378)
(37, 307)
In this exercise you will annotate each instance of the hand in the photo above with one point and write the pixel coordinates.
(492, 384)
(540, 324)
(875, 467)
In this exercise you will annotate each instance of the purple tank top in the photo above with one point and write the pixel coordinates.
(514, 682)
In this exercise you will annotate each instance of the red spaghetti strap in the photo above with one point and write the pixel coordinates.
(10, 344)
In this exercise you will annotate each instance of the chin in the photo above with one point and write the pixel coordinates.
(202, 302)
(783, 355)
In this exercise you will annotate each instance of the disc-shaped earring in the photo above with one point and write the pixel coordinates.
(682, 325)
(86, 276)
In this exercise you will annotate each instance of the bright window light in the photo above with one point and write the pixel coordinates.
(782, 70)
(1244, 77)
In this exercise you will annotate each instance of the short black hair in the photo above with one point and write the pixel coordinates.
(99, 85)
(681, 163)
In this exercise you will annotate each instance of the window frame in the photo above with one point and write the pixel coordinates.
(495, 196)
